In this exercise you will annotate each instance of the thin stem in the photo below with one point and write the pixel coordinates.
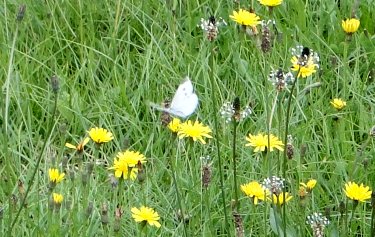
(285, 142)
(273, 109)
(237, 204)
(355, 204)
(179, 202)
(31, 182)
(217, 140)
(8, 164)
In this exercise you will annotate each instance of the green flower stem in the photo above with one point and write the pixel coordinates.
(51, 127)
(207, 213)
(273, 109)
(236, 204)
(355, 204)
(285, 160)
(217, 140)
(179, 201)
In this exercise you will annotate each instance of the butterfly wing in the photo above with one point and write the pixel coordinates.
(184, 101)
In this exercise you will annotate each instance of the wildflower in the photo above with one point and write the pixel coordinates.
(245, 18)
(238, 223)
(260, 142)
(274, 184)
(309, 185)
(317, 222)
(304, 61)
(21, 12)
(279, 199)
(55, 176)
(146, 215)
(228, 112)
(266, 35)
(290, 147)
(100, 135)
(126, 162)
(306, 188)
(280, 80)
(255, 190)
(206, 171)
(350, 25)
(338, 103)
(174, 125)
(211, 27)
(118, 215)
(270, 3)
(104, 214)
(79, 147)
(196, 131)
(357, 192)
(57, 198)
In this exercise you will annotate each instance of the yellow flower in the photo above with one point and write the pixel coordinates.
(350, 25)
(80, 146)
(309, 185)
(196, 131)
(338, 103)
(146, 215)
(279, 199)
(174, 125)
(100, 135)
(357, 192)
(255, 191)
(125, 164)
(260, 142)
(304, 70)
(270, 3)
(245, 18)
(55, 176)
(57, 198)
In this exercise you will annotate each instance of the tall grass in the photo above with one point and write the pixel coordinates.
(112, 57)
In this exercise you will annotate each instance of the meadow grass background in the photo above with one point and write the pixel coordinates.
(113, 57)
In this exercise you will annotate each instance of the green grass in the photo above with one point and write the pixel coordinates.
(113, 57)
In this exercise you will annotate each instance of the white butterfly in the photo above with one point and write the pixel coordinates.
(184, 101)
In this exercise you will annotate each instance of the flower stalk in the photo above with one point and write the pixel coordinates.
(235, 186)
(285, 157)
(217, 136)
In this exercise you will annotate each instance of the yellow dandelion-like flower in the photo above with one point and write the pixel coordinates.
(245, 18)
(57, 198)
(350, 25)
(270, 3)
(279, 199)
(338, 103)
(174, 125)
(125, 163)
(132, 157)
(303, 70)
(55, 176)
(309, 185)
(79, 147)
(357, 192)
(100, 135)
(260, 142)
(255, 191)
(194, 130)
(146, 215)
